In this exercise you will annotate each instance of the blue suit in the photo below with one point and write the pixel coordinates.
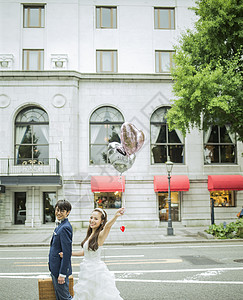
(61, 242)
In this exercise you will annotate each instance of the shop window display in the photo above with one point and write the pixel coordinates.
(223, 198)
(108, 200)
(164, 208)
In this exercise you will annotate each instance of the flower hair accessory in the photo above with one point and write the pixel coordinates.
(100, 210)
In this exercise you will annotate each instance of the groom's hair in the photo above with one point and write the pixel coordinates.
(63, 205)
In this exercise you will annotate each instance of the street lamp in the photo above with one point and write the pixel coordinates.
(169, 166)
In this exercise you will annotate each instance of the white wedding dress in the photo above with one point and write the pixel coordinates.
(95, 280)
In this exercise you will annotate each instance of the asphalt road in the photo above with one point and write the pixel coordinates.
(181, 271)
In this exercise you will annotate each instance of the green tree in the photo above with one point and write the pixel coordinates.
(208, 69)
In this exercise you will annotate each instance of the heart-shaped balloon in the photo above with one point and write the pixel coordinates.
(118, 157)
(122, 228)
(132, 139)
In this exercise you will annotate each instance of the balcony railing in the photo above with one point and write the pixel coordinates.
(47, 166)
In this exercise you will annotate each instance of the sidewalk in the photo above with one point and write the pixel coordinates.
(20, 236)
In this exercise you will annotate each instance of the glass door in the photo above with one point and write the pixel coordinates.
(20, 207)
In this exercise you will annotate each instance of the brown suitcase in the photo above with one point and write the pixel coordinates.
(46, 289)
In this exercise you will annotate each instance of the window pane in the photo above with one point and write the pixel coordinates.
(25, 17)
(159, 115)
(33, 60)
(98, 60)
(98, 134)
(211, 154)
(40, 153)
(23, 153)
(214, 136)
(32, 114)
(107, 114)
(114, 133)
(158, 133)
(173, 137)
(42, 17)
(41, 61)
(114, 25)
(98, 17)
(98, 154)
(224, 136)
(106, 61)
(176, 153)
(106, 17)
(172, 14)
(114, 61)
(40, 134)
(156, 21)
(34, 17)
(159, 154)
(23, 135)
(49, 207)
(164, 18)
(157, 64)
(165, 61)
(223, 198)
(227, 153)
(25, 57)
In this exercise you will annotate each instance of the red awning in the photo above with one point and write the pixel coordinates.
(225, 182)
(177, 183)
(108, 183)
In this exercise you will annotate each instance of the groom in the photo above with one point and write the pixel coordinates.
(61, 241)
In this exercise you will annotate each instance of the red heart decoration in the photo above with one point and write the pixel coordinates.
(122, 228)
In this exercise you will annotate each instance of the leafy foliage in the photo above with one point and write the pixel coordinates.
(230, 231)
(208, 71)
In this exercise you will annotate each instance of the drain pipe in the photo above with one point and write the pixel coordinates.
(33, 206)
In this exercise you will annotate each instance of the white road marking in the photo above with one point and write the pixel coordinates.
(179, 270)
(73, 257)
(27, 274)
(141, 280)
(181, 281)
(173, 247)
(132, 247)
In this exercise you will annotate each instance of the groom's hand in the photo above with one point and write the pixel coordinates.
(61, 280)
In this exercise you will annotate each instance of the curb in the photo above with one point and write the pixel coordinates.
(206, 235)
(132, 243)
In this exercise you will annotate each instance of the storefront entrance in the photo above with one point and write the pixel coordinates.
(164, 208)
(20, 207)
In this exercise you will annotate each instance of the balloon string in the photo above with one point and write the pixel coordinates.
(123, 198)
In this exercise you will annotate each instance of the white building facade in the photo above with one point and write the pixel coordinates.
(72, 72)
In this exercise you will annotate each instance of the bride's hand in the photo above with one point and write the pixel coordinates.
(61, 254)
(120, 212)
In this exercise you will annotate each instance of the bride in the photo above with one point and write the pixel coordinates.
(95, 280)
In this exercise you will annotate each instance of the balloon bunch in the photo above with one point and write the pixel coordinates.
(122, 156)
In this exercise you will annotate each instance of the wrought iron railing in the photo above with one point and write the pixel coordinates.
(29, 166)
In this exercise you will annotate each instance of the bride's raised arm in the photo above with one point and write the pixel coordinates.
(105, 232)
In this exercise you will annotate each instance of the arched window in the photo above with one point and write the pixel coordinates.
(219, 145)
(105, 125)
(165, 143)
(32, 136)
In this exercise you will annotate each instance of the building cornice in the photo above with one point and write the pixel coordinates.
(74, 75)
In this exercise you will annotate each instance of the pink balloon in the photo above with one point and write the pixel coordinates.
(132, 139)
